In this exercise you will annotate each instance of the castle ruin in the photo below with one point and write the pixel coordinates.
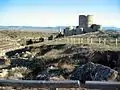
(85, 25)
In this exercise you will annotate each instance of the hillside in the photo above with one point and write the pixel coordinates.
(14, 34)
(57, 59)
(100, 34)
(10, 39)
(65, 58)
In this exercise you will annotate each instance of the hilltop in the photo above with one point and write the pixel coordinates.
(100, 34)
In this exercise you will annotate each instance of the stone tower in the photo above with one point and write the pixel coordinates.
(89, 20)
(83, 21)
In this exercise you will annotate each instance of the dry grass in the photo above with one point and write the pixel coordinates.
(22, 34)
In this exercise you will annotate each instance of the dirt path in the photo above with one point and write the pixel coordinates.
(8, 47)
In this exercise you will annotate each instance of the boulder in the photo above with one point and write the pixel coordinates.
(50, 74)
(43, 76)
(93, 72)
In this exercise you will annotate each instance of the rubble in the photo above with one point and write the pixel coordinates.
(4, 73)
(94, 72)
(52, 72)
(14, 73)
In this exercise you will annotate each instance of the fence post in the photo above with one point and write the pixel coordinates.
(77, 40)
(88, 40)
(91, 40)
(71, 39)
(116, 42)
(81, 40)
(104, 41)
(67, 40)
(99, 41)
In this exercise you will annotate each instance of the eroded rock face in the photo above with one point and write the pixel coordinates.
(107, 58)
(94, 72)
(52, 73)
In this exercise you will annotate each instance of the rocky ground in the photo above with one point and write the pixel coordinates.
(61, 62)
(13, 39)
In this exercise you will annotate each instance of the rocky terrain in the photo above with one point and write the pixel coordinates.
(13, 39)
(60, 62)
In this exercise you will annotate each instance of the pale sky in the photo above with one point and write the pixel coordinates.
(58, 12)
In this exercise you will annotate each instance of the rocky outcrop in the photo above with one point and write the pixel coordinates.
(94, 72)
(14, 73)
(52, 73)
(107, 58)
(66, 58)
